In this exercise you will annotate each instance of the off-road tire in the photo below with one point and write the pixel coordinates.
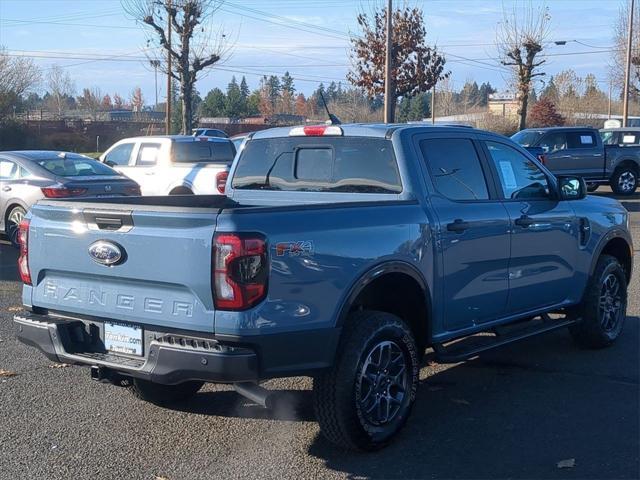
(617, 184)
(338, 393)
(164, 395)
(591, 331)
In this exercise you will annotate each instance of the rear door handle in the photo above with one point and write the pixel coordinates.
(6, 189)
(524, 221)
(458, 226)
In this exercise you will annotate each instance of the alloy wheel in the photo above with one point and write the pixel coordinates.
(610, 306)
(627, 181)
(383, 384)
(13, 224)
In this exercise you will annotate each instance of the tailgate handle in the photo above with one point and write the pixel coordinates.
(105, 223)
(108, 220)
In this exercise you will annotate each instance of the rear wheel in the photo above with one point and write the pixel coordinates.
(604, 307)
(164, 395)
(12, 224)
(365, 400)
(625, 181)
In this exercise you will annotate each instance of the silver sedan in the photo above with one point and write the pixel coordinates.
(29, 176)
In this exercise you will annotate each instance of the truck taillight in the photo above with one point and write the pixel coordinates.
(59, 191)
(221, 181)
(543, 158)
(240, 271)
(23, 259)
(316, 131)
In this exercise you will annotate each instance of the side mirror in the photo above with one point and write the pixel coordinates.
(572, 188)
(109, 163)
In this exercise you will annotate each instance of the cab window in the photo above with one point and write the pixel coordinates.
(120, 155)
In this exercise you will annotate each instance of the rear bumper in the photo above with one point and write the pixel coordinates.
(172, 357)
(169, 359)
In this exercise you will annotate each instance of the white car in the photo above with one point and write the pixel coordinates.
(173, 164)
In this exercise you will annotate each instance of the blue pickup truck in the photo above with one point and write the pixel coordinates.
(342, 252)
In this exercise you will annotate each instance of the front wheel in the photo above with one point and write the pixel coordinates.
(592, 187)
(604, 306)
(625, 181)
(365, 400)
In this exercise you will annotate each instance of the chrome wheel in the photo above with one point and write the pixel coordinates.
(383, 384)
(627, 181)
(13, 224)
(611, 303)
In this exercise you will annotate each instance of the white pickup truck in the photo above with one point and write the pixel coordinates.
(173, 164)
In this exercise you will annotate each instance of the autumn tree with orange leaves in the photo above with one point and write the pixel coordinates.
(416, 66)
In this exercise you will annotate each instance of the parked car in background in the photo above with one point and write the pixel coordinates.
(620, 136)
(238, 139)
(341, 253)
(29, 176)
(173, 164)
(209, 132)
(580, 151)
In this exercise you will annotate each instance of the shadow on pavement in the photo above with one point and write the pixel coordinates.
(8, 262)
(513, 413)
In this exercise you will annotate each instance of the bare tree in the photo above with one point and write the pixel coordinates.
(137, 100)
(619, 58)
(520, 38)
(17, 76)
(416, 66)
(61, 87)
(194, 46)
(90, 101)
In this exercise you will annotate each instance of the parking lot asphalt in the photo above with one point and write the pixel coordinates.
(514, 413)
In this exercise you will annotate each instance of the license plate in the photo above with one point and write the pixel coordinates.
(122, 338)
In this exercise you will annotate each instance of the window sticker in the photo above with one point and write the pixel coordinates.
(629, 139)
(586, 139)
(508, 175)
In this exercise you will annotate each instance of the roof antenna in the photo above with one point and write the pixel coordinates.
(332, 118)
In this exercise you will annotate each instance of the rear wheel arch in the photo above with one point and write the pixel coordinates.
(181, 190)
(381, 288)
(10, 206)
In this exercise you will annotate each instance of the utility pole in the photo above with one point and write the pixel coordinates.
(610, 88)
(433, 105)
(168, 110)
(155, 64)
(627, 71)
(388, 81)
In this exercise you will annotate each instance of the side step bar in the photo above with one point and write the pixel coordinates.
(469, 347)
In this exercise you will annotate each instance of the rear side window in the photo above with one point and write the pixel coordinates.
(8, 170)
(120, 155)
(148, 154)
(554, 142)
(204, 152)
(455, 168)
(312, 164)
(75, 167)
(581, 140)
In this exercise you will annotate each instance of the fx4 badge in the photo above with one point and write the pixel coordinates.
(295, 249)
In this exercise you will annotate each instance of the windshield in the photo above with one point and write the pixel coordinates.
(75, 167)
(204, 152)
(313, 164)
(527, 138)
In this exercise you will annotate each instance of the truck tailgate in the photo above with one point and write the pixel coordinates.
(163, 277)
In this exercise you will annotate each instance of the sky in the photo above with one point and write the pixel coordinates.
(101, 46)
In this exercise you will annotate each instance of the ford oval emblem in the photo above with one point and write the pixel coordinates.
(105, 253)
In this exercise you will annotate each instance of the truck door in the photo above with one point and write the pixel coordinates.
(573, 153)
(145, 170)
(544, 232)
(473, 231)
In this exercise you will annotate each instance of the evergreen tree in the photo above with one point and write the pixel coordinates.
(244, 88)
(214, 104)
(287, 84)
(550, 92)
(420, 106)
(485, 90)
(332, 92)
(253, 103)
(404, 109)
(235, 105)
